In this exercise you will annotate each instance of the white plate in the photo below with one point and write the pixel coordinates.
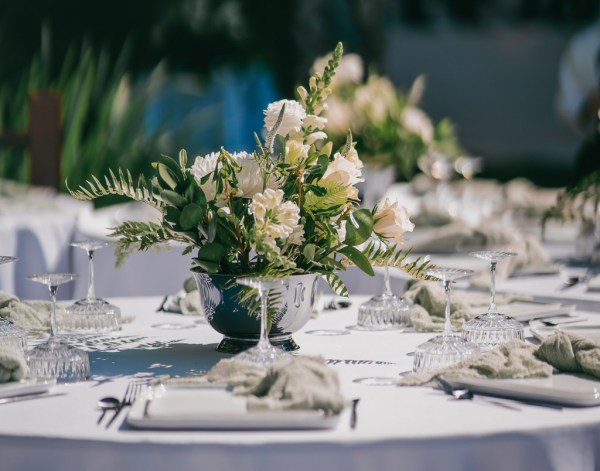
(33, 385)
(215, 408)
(541, 331)
(528, 310)
(563, 389)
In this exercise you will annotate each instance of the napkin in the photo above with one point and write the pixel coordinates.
(429, 304)
(304, 382)
(459, 236)
(13, 366)
(186, 301)
(31, 315)
(560, 352)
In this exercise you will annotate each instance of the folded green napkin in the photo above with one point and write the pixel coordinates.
(429, 304)
(12, 366)
(561, 352)
(304, 382)
(31, 315)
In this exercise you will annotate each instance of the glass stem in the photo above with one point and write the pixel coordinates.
(91, 294)
(447, 324)
(387, 291)
(53, 289)
(264, 302)
(493, 287)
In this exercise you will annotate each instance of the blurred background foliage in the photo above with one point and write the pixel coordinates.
(113, 61)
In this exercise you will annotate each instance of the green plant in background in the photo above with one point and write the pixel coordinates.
(390, 128)
(577, 203)
(103, 115)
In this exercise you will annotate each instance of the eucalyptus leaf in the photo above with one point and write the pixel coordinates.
(191, 215)
(359, 227)
(172, 198)
(358, 258)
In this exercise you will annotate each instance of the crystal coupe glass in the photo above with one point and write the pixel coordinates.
(263, 353)
(53, 357)
(385, 311)
(12, 336)
(492, 328)
(92, 314)
(447, 348)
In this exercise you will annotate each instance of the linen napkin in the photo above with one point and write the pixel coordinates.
(13, 366)
(429, 304)
(458, 236)
(560, 352)
(304, 382)
(31, 315)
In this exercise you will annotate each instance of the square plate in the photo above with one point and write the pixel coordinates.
(32, 385)
(563, 389)
(176, 407)
(541, 331)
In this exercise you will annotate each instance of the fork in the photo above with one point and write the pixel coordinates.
(131, 393)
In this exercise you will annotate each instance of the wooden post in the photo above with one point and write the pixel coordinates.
(45, 138)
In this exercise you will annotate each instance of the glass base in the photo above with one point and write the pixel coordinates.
(12, 336)
(492, 329)
(442, 351)
(59, 360)
(265, 355)
(385, 312)
(90, 316)
(231, 344)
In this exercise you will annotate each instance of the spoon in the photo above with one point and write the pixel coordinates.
(106, 404)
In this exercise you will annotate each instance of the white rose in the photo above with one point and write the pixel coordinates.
(372, 102)
(416, 121)
(338, 115)
(292, 117)
(392, 221)
(343, 172)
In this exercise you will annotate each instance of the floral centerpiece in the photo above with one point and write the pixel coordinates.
(391, 129)
(289, 207)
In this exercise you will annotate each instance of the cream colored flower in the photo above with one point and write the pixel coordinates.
(292, 118)
(338, 115)
(344, 172)
(354, 158)
(392, 221)
(315, 122)
(276, 219)
(416, 121)
(202, 167)
(251, 176)
(295, 152)
(373, 101)
(315, 136)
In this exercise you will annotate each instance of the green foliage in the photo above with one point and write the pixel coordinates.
(103, 124)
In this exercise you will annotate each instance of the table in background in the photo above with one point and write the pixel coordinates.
(398, 428)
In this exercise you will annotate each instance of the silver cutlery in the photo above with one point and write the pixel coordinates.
(131, 393)
(27, 397)
(105, 404)
(353, 414)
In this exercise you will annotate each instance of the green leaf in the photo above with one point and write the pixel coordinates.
(359, 259)
(309, 251)
(172, 198)
(359, 227)
(183, 159)
(211, 252)
(190, 216)
(167, 175)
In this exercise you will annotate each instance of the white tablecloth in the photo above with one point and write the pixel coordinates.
(398, 428)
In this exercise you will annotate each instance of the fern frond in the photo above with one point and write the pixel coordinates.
(137, 235)
(336, 284)
(121, 184)
(336, 196)
(395, 257)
